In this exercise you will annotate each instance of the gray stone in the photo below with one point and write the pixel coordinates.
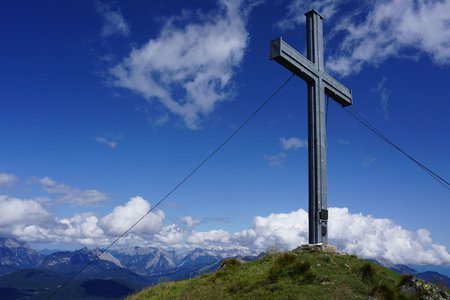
(318, 247)
(423, 290)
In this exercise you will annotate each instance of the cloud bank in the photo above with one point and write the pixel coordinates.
(189, 67)
(358, 234)
(376, 30)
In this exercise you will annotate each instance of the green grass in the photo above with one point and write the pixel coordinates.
(291, 275)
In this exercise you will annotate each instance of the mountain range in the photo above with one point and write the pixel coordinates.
(28, 274)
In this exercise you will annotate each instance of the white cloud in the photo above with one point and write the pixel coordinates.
(293, 143)
(172, 235)
(161, 120)
(124, 216)
(358, 234)
(83, 229)
(29, 221)
(297, 8)
(276, 160)
(17, 211)
(210, 238)
(188, 68)
(384, 93)
(25, 219)
(108, 142)
(382, 238)
(190, 221)
(70, 194)
(282, 231)
(82, 226)
(8, 180)
(113, 21)
(377, 30)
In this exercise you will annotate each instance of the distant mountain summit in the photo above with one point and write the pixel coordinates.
(72, 261)
(200, 256)
(16, 255)
(148, 261)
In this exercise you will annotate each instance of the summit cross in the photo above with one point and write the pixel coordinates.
(311, 69)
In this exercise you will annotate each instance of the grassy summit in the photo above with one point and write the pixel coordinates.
(300, 274)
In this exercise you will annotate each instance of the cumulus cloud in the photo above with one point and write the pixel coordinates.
(358, 234)
(190, 221)
(283, 231)
(8, 180)
(293, 143)
(113, 21)
(189, 67)
(70, 194)
(172, 235)
(24, 218)
(211, 237)
(18, 211)
(370, 237)
(29, 221)
(377, 30)
(83, 229)
(124, 216)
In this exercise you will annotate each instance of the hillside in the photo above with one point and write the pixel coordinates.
(304, 273)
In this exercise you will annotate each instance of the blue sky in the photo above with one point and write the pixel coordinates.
(105, 106)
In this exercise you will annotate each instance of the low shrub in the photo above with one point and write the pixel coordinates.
(405, 279)
(230, 262)
(280, 263)
(327, 258)
(285, 259)
(384, 292)
(301, 268)
(309, 277)
(367, 272)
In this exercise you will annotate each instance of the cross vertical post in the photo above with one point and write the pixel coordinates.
(320, 84)
(317, 161)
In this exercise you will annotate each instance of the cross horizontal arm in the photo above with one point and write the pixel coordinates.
(337, 90)
(284, 54)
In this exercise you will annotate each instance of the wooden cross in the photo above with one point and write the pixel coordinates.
(320, 83)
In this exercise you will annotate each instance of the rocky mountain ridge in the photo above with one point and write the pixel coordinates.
(15, 255)
(134, 268)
